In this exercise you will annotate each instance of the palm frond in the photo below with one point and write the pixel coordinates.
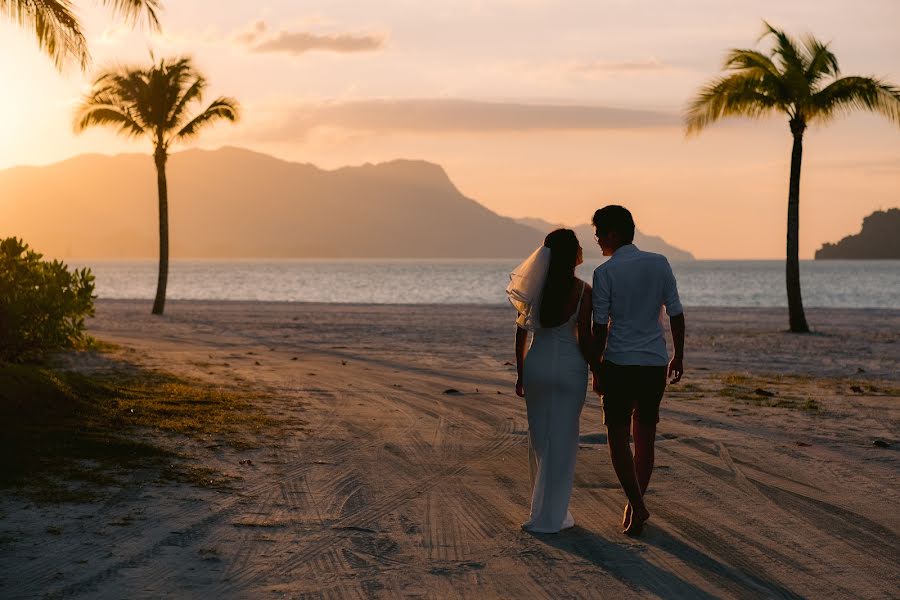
(739, 94)
(785, 48)
(152, 101)
(750, 60)
(821, 61)
(133, 9)
(220, 108)
(126, 87)
(56, 29)
(793, 63)
(757, 65)
(194, 92)
(168, 82)
(856, 93)
(789, 79)
(108, 115)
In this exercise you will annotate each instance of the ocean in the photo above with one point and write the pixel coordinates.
(839, 284)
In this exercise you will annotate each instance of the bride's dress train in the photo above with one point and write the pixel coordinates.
(555, 379)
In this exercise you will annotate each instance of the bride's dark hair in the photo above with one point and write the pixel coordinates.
(563, 246)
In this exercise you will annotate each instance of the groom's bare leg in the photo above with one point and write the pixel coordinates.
(623, 464)
(644, 440)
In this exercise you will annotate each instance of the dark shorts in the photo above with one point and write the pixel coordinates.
(628, 389)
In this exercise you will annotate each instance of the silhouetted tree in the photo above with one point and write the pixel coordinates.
(58, 31)
(152, 102)
(802, 80)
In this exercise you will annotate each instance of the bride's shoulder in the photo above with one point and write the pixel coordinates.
(587, 286)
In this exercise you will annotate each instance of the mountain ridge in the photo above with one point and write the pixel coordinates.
(238, 203)
(585, 234)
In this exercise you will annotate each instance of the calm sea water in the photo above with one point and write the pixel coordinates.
(849, 284)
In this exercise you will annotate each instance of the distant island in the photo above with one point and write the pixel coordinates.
(879, 239)
(234, 203)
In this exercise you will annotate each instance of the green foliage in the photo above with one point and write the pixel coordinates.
(42, 304)
(57, 29)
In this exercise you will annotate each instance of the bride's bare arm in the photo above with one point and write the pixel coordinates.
(585, 336)
(521, 341)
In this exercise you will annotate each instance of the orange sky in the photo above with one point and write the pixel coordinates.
(520, 100)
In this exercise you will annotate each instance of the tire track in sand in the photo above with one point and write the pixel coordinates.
(366, 516)
(202, 519)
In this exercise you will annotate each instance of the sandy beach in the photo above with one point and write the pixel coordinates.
(377, 482)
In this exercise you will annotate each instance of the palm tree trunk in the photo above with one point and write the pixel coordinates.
(159, 303)
(796, 315)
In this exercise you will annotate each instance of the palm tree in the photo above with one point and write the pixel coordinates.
(802, 80)
(152, 102)
(57, 29)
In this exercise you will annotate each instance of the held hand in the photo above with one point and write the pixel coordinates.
(676, 370)
(520, 389)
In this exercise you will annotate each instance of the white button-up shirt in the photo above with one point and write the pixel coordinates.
(630, 290)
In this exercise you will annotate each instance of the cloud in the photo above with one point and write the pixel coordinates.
(601, 67)
(438, 115)
(259, 39)
(253, 33)
(114, 34)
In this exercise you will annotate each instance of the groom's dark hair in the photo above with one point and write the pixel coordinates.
(615, 218)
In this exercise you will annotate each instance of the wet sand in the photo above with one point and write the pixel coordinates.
(380, 484)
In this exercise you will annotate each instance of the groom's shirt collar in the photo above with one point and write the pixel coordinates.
(625, 249)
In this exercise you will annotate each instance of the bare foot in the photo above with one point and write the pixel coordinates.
(636, 526)
(626, 516)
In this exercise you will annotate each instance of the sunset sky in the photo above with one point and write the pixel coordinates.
(534, 107)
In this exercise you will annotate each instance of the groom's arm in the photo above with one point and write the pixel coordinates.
(601, 331)
(676, 321)
(676, 365)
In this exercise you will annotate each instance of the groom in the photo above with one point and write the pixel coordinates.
(630, 290)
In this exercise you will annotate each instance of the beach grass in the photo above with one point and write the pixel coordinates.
(69, 435)
(796, 392)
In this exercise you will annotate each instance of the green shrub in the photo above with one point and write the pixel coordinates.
(42, 304)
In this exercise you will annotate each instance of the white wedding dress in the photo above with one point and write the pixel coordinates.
(555, 377)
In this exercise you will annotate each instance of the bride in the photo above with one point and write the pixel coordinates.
(556, 306)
